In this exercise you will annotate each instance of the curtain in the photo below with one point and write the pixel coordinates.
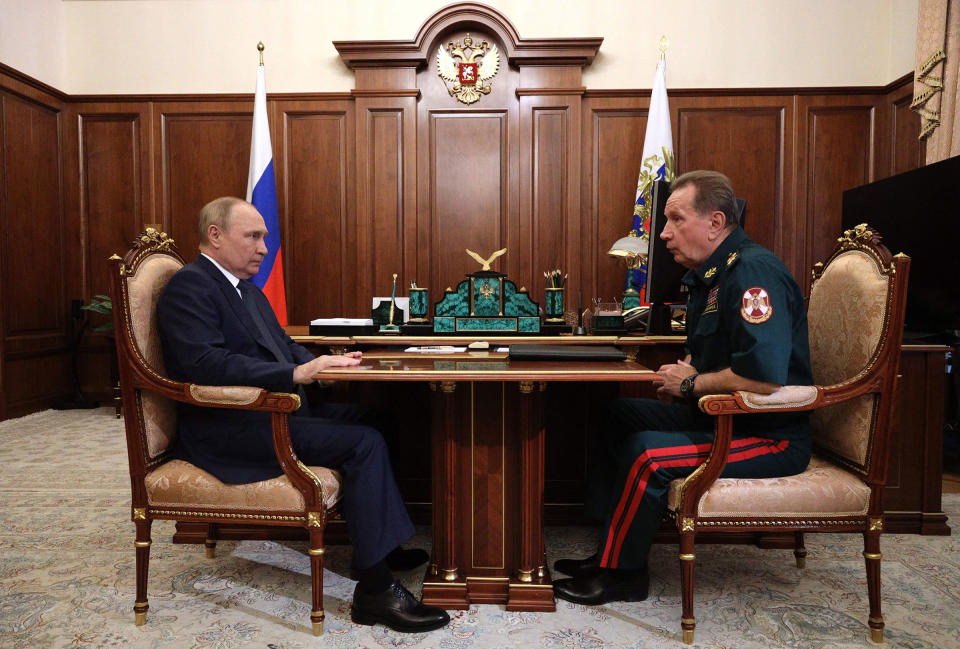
(935, 87)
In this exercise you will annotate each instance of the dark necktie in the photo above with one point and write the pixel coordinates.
(248, 293)
(248, 297)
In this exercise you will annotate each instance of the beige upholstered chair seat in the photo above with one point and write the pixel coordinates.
(181, 484)
(823, 489)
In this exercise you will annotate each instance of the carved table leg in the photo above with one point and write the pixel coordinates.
(443, 586)
(534, 591)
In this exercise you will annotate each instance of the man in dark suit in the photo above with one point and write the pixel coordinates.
(217, 328)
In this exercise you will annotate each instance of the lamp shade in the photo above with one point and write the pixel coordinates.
(630, 246)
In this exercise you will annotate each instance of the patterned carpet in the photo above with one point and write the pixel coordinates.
(67, 577)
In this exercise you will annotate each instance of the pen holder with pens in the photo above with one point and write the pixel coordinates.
(553, 307)
(418, 304)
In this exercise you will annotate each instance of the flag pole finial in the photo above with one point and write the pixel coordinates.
(260, 49)
(662, 45)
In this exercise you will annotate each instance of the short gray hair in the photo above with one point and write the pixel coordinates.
(714, 193)
(217, 212)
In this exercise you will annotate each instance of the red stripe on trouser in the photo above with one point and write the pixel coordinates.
(632, 496)
(645, 465)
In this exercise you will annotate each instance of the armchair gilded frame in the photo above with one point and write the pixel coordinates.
(149, 412)
(877, 380)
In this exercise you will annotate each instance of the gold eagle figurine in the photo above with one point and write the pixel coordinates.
(486, 262)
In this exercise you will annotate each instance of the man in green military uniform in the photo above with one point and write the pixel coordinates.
(746, 330)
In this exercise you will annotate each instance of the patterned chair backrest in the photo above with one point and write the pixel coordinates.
(143, 288)
(847, 313)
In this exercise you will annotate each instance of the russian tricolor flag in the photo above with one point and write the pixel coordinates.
(262, 192)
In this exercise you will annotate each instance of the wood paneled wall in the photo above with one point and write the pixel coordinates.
(790, 154)
(397, 177)
(37, 246)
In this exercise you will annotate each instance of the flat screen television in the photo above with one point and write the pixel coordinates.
(664, 275)
(916, 213)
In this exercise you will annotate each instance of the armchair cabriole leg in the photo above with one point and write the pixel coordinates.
(211, 541)
(142, 545)
(687, 557)
(872, 556)
(316, 578)
(799, 550)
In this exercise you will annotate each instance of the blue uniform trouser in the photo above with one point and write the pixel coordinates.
(645, 444)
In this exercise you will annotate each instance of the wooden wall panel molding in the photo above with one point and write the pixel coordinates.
(907, 150)
(700, 93)
(902, 124)
(549, 190)
(13, 80)
(111, 185)
(34, 327)
(747, 143)
(549, 195)
(469, 162)
(386, 193)
(110, 196)
(612, 129)
(203, 153)
(33, 203)
(318, 226)
(748, 138)
(838, 151)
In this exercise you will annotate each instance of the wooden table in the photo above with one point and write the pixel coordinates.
(912, 497)
(488, 467)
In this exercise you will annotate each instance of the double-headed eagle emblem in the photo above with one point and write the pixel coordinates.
(468, 74)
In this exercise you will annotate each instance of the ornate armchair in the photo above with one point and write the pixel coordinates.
(165, 488)
(855, 315)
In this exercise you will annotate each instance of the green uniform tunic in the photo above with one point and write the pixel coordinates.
(745, 312)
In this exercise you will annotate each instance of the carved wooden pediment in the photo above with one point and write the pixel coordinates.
(466, 16)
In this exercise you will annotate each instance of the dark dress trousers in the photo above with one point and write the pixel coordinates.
(209, 337)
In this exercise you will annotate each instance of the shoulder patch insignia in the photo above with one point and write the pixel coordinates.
(710, 273)
(732, 258)
(756, 307)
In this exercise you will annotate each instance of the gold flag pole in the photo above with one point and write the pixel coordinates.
(260, 49)
(662, 46)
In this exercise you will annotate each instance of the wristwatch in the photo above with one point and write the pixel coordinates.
(686, 386)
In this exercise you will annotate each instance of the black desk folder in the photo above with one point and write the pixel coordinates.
(566, 353)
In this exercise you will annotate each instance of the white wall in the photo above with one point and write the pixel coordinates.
(32, 39)
(209, 46)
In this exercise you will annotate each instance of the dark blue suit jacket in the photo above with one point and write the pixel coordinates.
(209, 338)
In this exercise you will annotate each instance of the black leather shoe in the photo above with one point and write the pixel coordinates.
(577, 567)
(396, 608)
(601, 586)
